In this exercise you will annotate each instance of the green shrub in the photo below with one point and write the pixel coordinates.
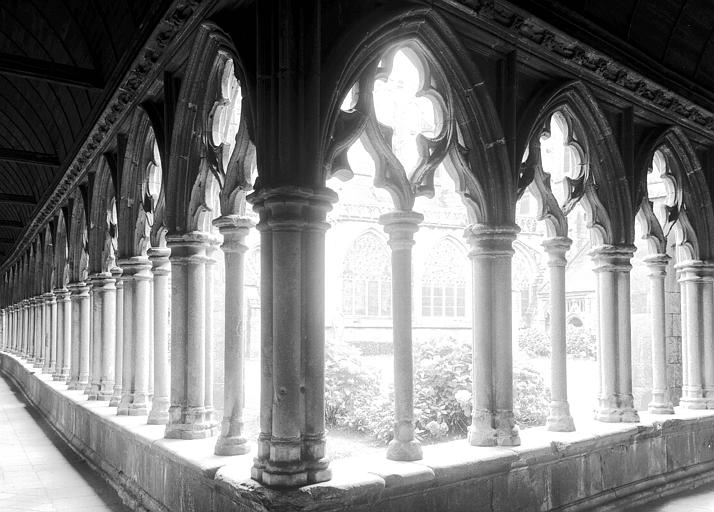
(580, 343)
(534, 342)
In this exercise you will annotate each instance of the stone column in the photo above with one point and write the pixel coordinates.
(401, 226)
(118, 336)
(692, 276)
(141, 269)
(96, 342)
(107, 289)
(75, 290)
(208, 325)
(26, 325)
(64, 334)
(37, 340)
(234, 230)
(657, 267)
(127, 374)
(612, 265)
(559, 418)
(84, 338)
(161, 269)
(491, 253)
(50, 333)
(708, 334)
(188, 418)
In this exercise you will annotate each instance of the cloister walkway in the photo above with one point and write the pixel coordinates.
(38, 471)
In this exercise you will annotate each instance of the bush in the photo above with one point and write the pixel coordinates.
(534, 342)
(580, 342)
(442, 392)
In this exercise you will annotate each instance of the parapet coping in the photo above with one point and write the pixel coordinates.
(363, 479)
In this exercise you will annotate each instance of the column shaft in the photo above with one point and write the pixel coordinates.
(692, 278)
(161, 270)
(141, 335)
(108, 301)
(657, 266)
(96, 341)
(119, 337)
(127, 374)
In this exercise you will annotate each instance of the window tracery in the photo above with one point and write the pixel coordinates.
(367, 278)
(444, 282)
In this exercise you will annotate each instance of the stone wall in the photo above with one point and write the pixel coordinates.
(607, 466)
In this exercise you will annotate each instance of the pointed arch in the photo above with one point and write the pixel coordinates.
(103, 223)
(78, 240)
(47, 259)
(196, 157)
(477, 156)
(61, 274)
(693, 212)
(605, 191)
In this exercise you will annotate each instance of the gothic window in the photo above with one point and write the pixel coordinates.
(367, 278)
(443, 292)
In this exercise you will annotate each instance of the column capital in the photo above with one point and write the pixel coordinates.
(292, 208)
(556, 248)
(49, 297)
(401, 225)
(136, 267)
(61, 294)
(234, 229)
(78, 289)
(612, 258)
(491, 241)
(657, 264)
(159, 258)
(188, 247)
(694, 270)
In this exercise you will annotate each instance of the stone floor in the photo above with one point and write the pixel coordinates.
(38, 471)
(700, 499)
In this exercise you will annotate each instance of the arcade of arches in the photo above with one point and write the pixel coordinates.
(268, 175)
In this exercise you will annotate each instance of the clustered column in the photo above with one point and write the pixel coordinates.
(161, 269)
(493, 422)
(615, 401)
(291, 443)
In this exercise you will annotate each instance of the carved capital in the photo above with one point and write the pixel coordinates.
(612, 258)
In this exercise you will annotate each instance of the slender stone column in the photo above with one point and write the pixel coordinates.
(161, 269)
(64, 333)
(234, 230)
(692, 277)
(26, 324)
(107, 289)
(559, 418)
(75, 290)
(84, 338)
(127, 374)
(401, 226)
(657, 267)
(45, 328)
(208, 321)
(491, 253)
(50, 333)
(37, 340)
(119, 337)
(616, 403)
(142, 309)
(96, 342)
(188, 418)
(708, 334)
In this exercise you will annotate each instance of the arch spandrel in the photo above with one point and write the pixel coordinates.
(47, 259)
(604, 190)
(472, 148)
(78, 240)
(692, 216)
(103, 225)
(61, 274)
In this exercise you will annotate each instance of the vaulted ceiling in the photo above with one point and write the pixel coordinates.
(59, 63)
(670, 41)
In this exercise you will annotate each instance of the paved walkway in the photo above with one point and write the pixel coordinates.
(38, 471)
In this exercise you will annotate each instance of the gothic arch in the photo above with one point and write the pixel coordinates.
(196, 160)
(604, 190)
(475, 152)
(78, 242)
(695, 232)
(61, 274)
(47, 259)
(103, 222)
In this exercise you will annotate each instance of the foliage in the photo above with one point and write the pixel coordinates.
(442, 392)
(581, 342)
(534, 342)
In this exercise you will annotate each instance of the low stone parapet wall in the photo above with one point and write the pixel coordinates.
(605, 466)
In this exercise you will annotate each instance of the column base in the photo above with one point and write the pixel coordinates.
(93, 392)
(617, 415)
(313, 453)
(115, 398)
(660, 408)
(506, 429)
(124, 404)
(190, 423)
(74, 385)
(559, 419)
(481, 433)
(159, 414)
(236, 445)
(404, 450)
(284, 467)
(693, 402)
